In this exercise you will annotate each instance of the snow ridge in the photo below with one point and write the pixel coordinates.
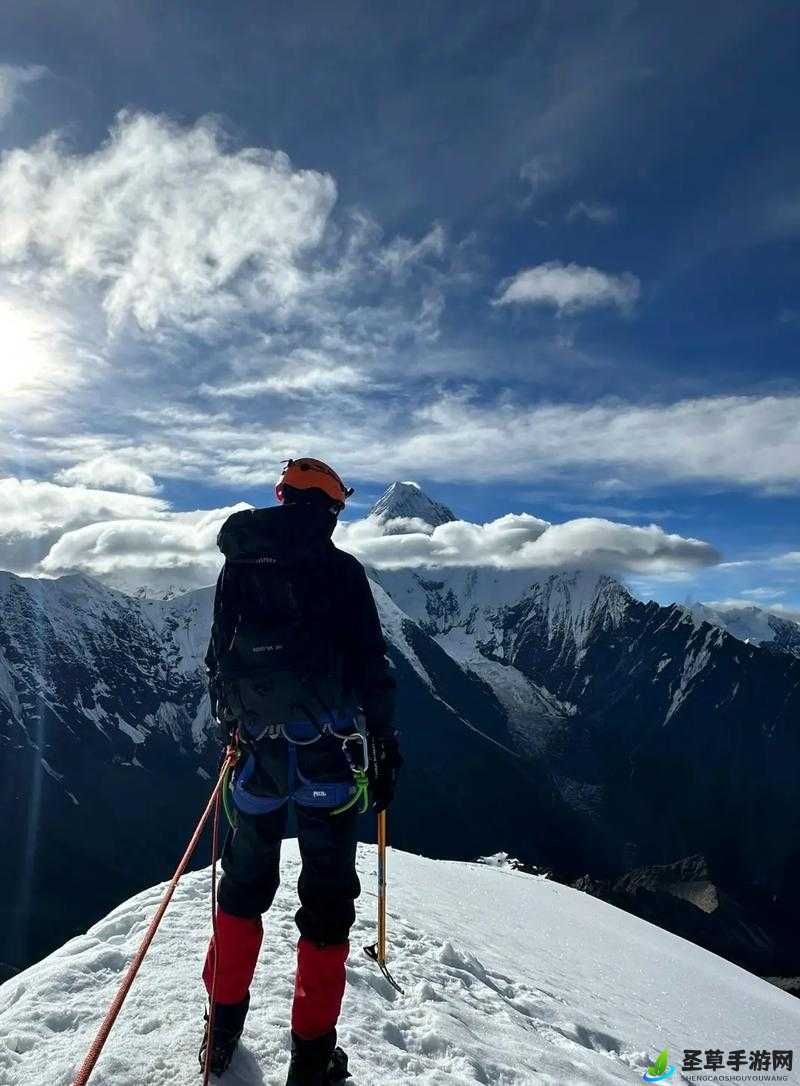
(573, 604)
(751, 624)
(509, 980)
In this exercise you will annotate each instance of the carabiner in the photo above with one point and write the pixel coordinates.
(356, 737)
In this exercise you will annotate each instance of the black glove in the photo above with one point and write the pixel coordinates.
(385, 761)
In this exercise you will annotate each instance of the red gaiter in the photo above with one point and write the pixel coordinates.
(239, 943)
(318, 988)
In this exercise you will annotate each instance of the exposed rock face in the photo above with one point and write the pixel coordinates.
(684, 898)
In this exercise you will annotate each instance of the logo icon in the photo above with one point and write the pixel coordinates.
(660, 1070)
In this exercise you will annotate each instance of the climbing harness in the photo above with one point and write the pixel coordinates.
(338, 795)
(377, 952)
(96, 1047)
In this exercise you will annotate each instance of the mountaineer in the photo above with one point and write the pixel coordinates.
(296, 662)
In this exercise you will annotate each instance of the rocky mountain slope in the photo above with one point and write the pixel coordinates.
(630, 702)
(106, 738)
(553, 716)
(672, 735)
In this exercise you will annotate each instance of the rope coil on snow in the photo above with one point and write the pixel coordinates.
(107, 1024)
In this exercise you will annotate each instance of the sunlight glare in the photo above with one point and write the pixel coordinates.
(24, 354)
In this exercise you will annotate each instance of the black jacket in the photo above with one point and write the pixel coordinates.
(252, 535)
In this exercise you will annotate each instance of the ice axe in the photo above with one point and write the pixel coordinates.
(378, 950)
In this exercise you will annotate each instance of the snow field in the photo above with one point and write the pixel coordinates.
(508, 979)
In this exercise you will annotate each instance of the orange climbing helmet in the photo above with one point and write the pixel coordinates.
(308, 474)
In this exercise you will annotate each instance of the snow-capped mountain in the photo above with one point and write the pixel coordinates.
(406, 501)
(752, 624)
(57, 635)
(508, 979)
(551, 716)
(630, 705)
(106, 737)
(626, 700)
(103, 741)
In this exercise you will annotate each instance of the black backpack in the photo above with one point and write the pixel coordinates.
(281, 660)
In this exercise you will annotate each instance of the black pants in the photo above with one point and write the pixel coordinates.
(328, 884)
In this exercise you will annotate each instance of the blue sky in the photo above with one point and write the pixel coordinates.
(542, 258)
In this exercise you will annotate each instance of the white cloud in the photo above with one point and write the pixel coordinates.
(401, 254)
(125, 539)
(35, 514)
(607, 448)
(297, 379)
(189, 268)
(352, 302)
(168, 222)
(33, 508)
(738, 440)
(541, 173)
(569, 288)
(131, 540)
(763, 593)
(522, 541)
(790, 560)
(780, 610)
(109, 472)
(12, 79)
(176, 549)
(602, 214)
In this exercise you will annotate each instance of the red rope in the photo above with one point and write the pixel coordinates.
(96, 1047)
(215, 941)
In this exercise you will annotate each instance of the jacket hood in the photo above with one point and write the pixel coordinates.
(283, 532)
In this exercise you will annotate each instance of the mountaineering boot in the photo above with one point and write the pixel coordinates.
(337, 1068)
(228, 1024)
(318, 1062)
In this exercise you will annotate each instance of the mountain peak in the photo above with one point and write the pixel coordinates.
(750, 623)
(408, 500)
